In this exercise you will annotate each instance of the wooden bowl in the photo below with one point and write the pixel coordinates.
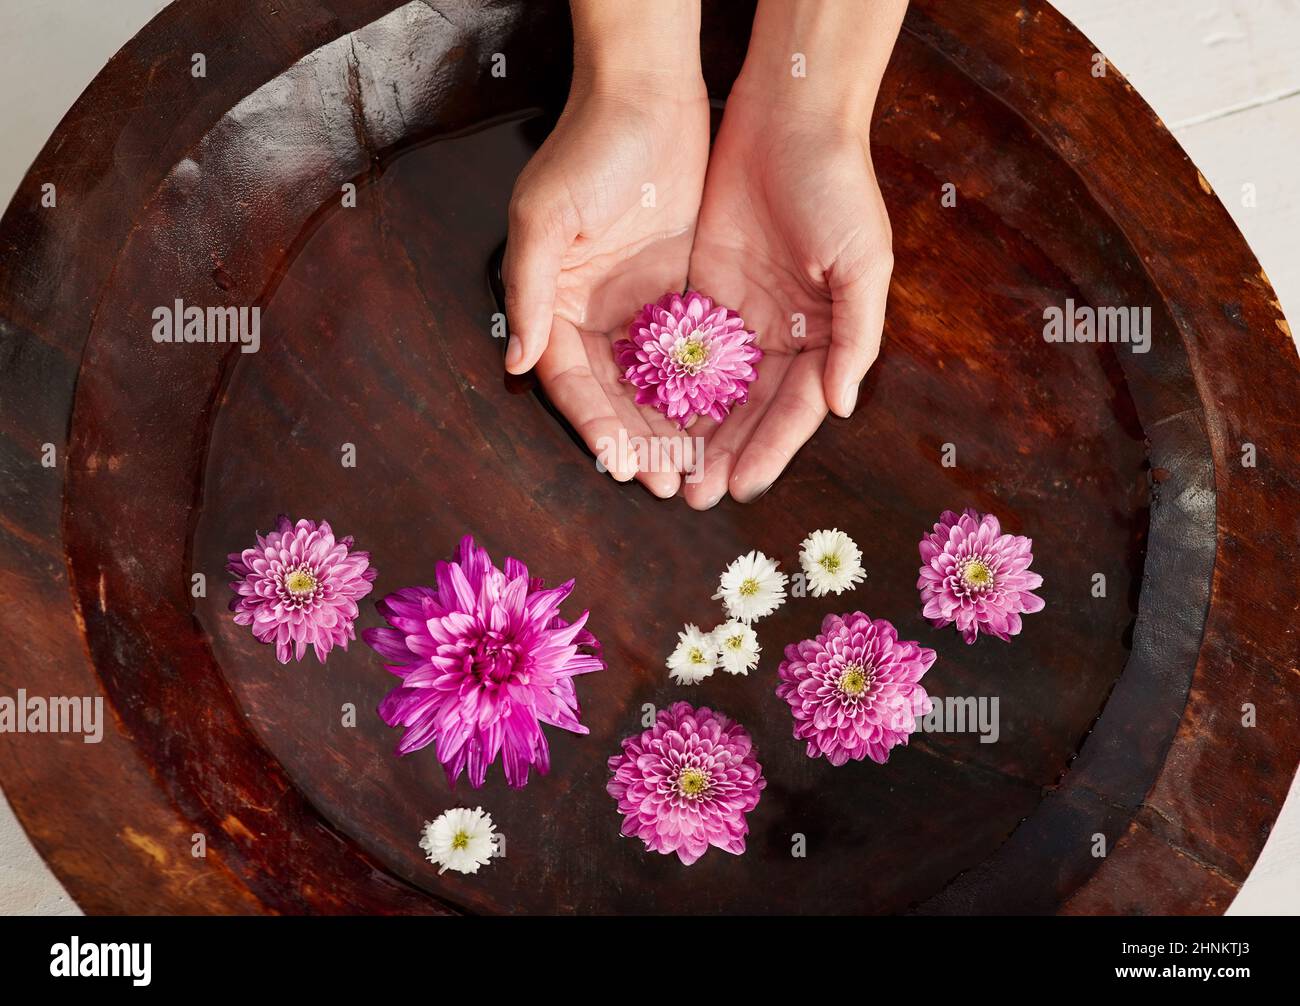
(1123, 777)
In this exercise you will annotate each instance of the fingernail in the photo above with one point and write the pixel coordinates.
(850, 398)
(663, 492)
(514, 352)
(714, 501)
(760, 494)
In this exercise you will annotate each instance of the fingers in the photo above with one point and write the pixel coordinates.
(566, 375)
(724, 441)
(857, 321)
(652, 451)
(795, 413)
(535, 247)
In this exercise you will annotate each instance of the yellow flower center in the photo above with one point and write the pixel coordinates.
(830, 563)
(976, 573)
(692, 781)
(854, 680)
(735, 642)
(749, 587)
(692, 354)
(461, 841)
(697, 656)
(300, 582)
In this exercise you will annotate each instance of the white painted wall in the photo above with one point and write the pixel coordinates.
(1223, 74)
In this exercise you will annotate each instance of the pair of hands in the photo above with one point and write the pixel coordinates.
(784, 223)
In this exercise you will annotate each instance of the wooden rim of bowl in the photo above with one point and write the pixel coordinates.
(1194, 796)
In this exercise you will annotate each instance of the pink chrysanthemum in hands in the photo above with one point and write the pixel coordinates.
(299, 586)
(854, 690)
(485, 659)
(687, 356)
(976, 576)
(687, 783)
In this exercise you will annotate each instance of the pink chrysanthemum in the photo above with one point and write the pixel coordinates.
(687, 356)
(300, 586)
(854, 690)
(687, 783)
(976, 576)
(485, 660)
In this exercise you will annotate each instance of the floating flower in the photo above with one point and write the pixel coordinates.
(299, 586)
(687, 783)
(751, 587)
(854, 690)
(687, 356)
(460, 839)
(485, 660)
(832, 562)
(695, 657)
(976, 576)
(737, 646)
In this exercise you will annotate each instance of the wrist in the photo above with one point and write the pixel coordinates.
(643, 51)
(821, 60)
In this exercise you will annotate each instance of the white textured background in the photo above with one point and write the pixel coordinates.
(1223, 74)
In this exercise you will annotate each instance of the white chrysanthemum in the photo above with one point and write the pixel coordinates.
(832, 562)
(460, 839)
(738, 647)
(752, 587)
(695, 658)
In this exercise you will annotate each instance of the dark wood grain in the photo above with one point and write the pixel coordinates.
(1120, 716)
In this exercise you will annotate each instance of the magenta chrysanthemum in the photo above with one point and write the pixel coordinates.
(485, 659)
(687, 356)
(300, 586)
(976, 576)
(854, 690)
(687, 783)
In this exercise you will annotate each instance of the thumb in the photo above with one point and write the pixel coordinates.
(535, 246)
(857, 322)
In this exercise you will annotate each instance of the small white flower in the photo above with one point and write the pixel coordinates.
(460, 839)
(738, 647)
(751, 587)
(695, 658)
(832, 562)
